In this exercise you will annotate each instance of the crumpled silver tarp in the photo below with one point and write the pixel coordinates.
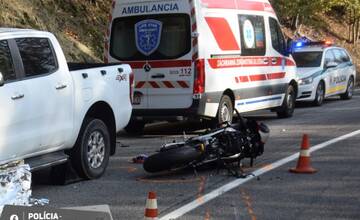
(15, 186)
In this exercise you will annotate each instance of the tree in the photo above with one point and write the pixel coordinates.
(298, 12)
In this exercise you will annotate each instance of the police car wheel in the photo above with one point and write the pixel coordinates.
(288, 106)
(226, 110)
(349, 91)
(320, 94)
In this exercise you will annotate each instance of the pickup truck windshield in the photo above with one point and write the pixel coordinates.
(308, 59)
(150, 37)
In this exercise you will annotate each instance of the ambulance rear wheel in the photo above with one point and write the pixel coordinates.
(135, 127)
(288, 107)
(225, 111)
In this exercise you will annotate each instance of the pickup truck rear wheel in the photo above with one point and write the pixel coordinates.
(91, 153)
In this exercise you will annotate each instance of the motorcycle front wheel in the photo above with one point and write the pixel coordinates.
(172, 159)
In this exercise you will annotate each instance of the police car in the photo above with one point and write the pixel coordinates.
(323, 70)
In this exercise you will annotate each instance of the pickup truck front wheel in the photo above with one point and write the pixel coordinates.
(90, 156)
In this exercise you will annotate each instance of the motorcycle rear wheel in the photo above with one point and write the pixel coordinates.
(171, 159)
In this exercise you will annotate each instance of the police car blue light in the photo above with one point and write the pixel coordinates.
(299, 44)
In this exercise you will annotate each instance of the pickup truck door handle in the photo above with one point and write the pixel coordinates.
(103, 72)
(16, 97)
(266, 61)
(158, 76)
(62, 86)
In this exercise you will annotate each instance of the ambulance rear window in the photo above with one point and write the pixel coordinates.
(150, 37)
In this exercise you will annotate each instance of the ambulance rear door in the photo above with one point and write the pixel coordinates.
(156, 41)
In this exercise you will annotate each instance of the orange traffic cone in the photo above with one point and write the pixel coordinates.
(303, 165)
(151, 211)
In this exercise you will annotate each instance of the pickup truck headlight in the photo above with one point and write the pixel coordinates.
(306, 81)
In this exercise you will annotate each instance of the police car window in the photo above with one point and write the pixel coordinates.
(308, 59)
(277, 38)
(150, 37)
(252, 32)
(37, 56)
(6, 63)
(338, 56)
(344, 56)
(329, 57)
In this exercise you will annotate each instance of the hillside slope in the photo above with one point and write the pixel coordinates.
(80, 25)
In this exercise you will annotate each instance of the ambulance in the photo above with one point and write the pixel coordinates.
(202, 58)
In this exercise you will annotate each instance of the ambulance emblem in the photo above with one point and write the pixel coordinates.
(148, 36)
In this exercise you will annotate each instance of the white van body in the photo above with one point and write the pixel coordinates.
(188, 54)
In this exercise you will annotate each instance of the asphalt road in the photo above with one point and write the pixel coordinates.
(332, 193)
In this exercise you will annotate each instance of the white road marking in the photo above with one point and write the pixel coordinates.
(229, 186)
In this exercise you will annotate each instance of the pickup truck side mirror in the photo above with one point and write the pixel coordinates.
(2, 81)
(329, 65)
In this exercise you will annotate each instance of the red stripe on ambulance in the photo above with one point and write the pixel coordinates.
(140, 85)
(183, 84)
(260, 77)
(239, 4)
(271, 76)
(223, 34)
(244, 79)
(154, 84)
(163, 84)
(168, 84)
(248, 62)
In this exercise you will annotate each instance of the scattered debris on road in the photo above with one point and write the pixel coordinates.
(140, 159)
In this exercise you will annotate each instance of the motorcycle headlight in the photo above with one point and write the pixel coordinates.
(306, 81)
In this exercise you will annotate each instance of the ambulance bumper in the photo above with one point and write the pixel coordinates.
(198, 109)
(167, 114)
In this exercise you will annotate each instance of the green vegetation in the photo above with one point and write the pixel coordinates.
(296, 13)
(80, 24)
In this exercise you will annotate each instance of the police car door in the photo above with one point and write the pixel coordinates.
(330, 72)
(344, 70)
(348, 65)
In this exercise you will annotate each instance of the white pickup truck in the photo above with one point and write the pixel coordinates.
(52, 112)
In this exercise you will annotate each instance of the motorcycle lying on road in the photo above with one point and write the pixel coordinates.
(225, 145)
